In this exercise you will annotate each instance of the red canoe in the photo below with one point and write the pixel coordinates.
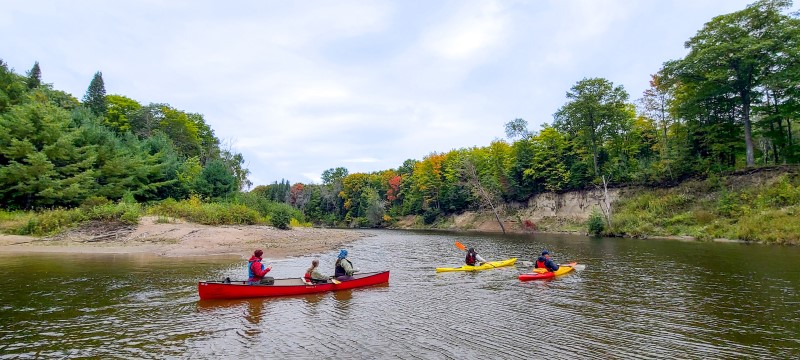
(283, 287)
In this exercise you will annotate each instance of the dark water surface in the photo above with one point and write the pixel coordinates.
(635, 299)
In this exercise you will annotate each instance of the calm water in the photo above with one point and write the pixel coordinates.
(635, 299)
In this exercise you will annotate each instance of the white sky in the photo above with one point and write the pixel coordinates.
(299, 87)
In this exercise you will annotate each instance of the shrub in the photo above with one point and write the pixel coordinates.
(430, 216)
(703, 217)
(93, 201)
(595, 223)
(206, 213)
(52, 221)
(281, 218)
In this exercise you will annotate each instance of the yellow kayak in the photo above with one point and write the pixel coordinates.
(486, 266)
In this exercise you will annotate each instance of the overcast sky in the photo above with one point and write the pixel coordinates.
(299, 87)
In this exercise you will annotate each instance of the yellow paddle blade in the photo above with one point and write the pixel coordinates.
(539, 270)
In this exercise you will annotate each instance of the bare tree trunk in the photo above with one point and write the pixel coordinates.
(748, 136)
(606, 205)
(475, 183)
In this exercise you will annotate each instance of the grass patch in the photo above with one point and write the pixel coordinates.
(766, 212)
(196, 211)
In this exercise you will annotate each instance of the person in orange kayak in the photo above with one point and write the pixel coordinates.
(473, 258)
(257, 271)
(544, 262)
(313, 275)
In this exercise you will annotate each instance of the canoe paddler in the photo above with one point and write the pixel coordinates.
(344, 268)
(544, 262)
(473, 258)
(257, 271)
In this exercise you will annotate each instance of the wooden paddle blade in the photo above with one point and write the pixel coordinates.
(337, 282)
(461, 246)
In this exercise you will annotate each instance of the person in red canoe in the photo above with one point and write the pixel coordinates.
(473, 258)
(544, 262)
(257, 271)
(313, 275)
(344, 268)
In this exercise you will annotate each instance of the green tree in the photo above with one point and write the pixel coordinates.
(43, 161)
(734, 54)
(95, 98)
(12, 87)
(120, 109)
(596, 111)
(215, 181)
(517, 128)
(548, 166)
(34, 76)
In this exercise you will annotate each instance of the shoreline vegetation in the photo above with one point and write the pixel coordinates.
(760, 205)
(709, 151)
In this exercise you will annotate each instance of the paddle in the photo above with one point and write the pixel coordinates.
(337, 282)
(464, 248)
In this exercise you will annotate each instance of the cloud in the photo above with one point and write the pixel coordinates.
(470, 32)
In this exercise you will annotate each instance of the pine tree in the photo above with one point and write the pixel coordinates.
(34, 76)
(95, 98)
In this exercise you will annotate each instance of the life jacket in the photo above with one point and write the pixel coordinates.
(541, 263)
(470, 260)
(339, 271)
(307, 276)
(252, 276)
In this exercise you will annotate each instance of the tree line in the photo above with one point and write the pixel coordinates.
(731, 102)
(57, 151)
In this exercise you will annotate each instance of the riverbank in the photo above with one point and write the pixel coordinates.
(758, 205)
(177, 238)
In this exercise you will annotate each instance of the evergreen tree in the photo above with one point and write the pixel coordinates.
(34, 76)
(95, 98)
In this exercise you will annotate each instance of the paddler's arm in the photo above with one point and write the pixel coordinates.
(348, 267)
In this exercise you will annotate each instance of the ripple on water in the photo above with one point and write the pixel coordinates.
(634, 300)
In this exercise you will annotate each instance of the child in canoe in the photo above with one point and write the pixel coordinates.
(313, 275)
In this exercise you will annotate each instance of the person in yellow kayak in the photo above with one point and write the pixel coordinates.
(544, 262)
(473, 258)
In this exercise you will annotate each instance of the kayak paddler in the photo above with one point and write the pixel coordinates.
(473, 258)
(544, 262)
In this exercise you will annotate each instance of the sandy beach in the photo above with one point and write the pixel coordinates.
(179, 238)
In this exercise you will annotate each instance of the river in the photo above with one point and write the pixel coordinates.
(635, 299)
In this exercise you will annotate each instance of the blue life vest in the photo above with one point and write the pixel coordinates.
(250, 273)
